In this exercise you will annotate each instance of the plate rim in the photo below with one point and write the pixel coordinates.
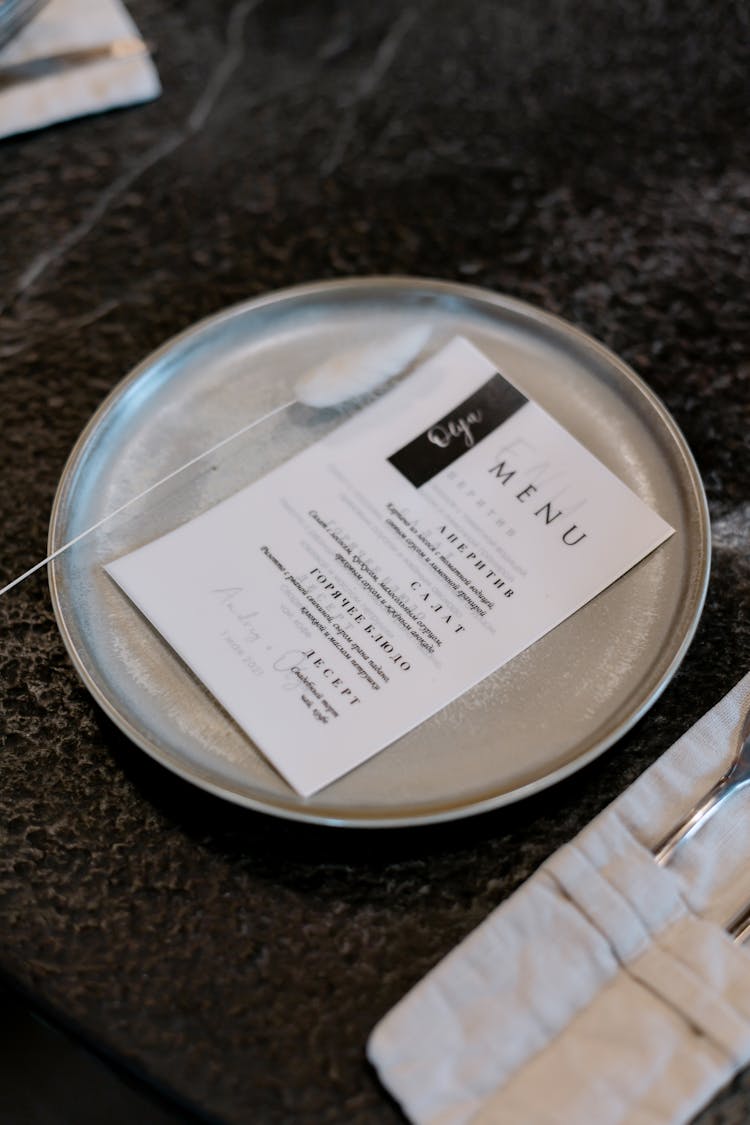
(438, 813)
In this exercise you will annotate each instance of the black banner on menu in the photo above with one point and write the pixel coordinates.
(450, 437)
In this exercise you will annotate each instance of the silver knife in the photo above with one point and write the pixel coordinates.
(33, 69)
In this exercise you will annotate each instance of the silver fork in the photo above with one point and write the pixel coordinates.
(14, 14)
(736, 777)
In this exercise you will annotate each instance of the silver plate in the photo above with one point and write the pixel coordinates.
(552, 709)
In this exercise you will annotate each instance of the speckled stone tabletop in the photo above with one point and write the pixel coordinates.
(589, 157)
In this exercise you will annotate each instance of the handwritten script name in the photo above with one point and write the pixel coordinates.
(443, 435)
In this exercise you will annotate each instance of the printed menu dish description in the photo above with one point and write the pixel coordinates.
(351, 593)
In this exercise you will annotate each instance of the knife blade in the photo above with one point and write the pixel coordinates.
(31, 70)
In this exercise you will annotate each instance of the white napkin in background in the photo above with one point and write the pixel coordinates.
(605, 990)
(67, 25)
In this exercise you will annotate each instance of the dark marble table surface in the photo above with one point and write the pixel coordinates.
(588, 157)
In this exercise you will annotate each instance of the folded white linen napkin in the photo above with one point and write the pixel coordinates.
(606, 989)
(68, 25)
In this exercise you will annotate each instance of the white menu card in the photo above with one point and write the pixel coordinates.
(345, 597)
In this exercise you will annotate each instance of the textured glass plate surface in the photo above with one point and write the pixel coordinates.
(544, 715)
